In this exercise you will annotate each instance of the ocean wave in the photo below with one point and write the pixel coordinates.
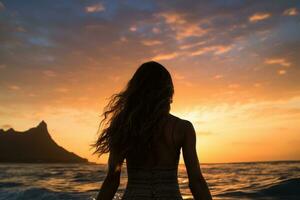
(10, 184)
(42, 194)
(287, 189)
(88, 177)
(262, 181)
(47, 175)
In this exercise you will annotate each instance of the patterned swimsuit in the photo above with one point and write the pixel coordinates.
(154, 183)
(150, 184)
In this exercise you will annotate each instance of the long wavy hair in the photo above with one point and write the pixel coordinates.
(135, 115)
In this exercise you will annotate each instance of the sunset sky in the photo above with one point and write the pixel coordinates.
(235, 67)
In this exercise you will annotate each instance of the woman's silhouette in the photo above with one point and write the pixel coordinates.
(138, 128)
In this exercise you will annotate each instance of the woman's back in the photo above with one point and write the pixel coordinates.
(165, 150)
(154, 175)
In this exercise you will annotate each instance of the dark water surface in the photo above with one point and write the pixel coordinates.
(261, 180)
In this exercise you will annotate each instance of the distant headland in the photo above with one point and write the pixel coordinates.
(33, 146)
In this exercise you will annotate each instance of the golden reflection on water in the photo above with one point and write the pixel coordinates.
(84, 181)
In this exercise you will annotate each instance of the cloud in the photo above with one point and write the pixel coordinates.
(188, 46)
(49, 73)
(166, 56)
(32, 95)
(281, 72)
(14, 87)
(234, 86)
(182, 27)
(151, 42)
(133, 28)
(202, 51)
(257, 85)
(291, 12)
(225, 30)
(221, 49)
(94, 8)
(62, 90)
(288, 108)
(155, 30)
(216, 50)
(259, 17)
(123, 39)
(218, 76)
(279, 61)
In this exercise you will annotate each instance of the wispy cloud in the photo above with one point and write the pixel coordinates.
(282, 72)
(182, 27)
(94, 8)
(14, 87)
(155, 30)
(188, 46)
(257, 85)
(166, 56)
(234, 86)
(49, 73)
(216, 50)
(123, 39)
(218, 76)
(133, 28)
(291, 12)
(61, 90)
(259, 17)
(151, 42)
(279, 61)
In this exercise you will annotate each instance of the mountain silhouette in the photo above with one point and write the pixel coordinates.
(33, 146)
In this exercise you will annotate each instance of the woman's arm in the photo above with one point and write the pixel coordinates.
(197, 182)
(112, 179)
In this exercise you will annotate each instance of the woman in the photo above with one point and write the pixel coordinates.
(138, 128)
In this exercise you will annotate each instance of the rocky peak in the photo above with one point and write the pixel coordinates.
(42, 129)
(11, 130)
(42, 125)
(34, 145)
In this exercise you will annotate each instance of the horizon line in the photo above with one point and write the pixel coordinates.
(238, 162)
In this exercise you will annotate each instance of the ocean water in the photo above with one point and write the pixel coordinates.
(262, 180)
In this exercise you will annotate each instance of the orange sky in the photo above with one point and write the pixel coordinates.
(235, 69)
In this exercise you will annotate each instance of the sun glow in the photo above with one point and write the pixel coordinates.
(235, 71)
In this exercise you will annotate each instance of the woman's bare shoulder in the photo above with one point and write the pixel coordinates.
(182, 123)
(184, 128)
